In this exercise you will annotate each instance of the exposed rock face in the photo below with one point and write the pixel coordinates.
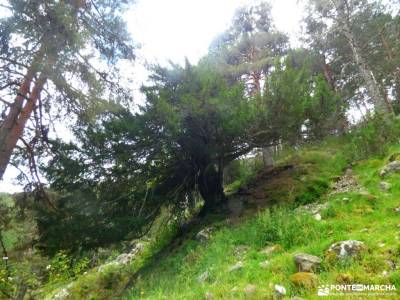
(304, 280)
(306, 262)
(346, 249)
(236, 205)
(204, 234)
(346, 183)
(63, 294)
(392, 167)
(124, 258)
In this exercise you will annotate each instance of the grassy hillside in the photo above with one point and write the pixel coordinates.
(359, 210)
(314, 197)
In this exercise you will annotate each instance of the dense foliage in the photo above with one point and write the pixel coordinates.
(253, 94)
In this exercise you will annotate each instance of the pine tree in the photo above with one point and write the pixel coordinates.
(47, 54)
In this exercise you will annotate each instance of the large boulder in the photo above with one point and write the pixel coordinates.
(346, 249)
(307, 262)
(392, 167)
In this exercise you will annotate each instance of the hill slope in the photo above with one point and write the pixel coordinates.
(312, 199)
(248, 260)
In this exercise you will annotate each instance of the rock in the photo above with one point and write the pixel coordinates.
(236, 205)
(208, 296)
(391, 264)
(318, 217)
(371, 198)
(313, 208)
(306, 262)
(241, 249)
(346, 249)
(346, 183)
(344, 278)
(391, 167)
(264, 264)
(62, 294)
(126, 258)
(397, 209)
(385, 186)
(271, 249)
(204, 234)
(304, 280)
(203, 277)
(107, 265)
(280, 291)
(235, 267)
(250, 289)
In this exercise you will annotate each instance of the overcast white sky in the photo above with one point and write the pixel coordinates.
(175, 29)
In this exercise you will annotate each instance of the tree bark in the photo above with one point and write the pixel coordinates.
(14, 124)
(391, 58)
(372, 85)
(211, 188)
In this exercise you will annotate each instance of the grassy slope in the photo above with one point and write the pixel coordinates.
(174, 276)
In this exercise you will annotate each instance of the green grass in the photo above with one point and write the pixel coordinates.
(176, 275)
(173, 273)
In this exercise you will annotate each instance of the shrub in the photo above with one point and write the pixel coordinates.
(373, 137)
(62, 266)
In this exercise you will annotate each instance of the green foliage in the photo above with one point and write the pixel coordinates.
(373, 137)
(299, 105)
(63, 266)
(240, 172)
(312, 191)
(192, 125)
(280, 226)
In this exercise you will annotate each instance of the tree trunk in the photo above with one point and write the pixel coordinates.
(391, 57)
(211, 189)
(267, 156)
(328, 73)
(14, 124)
(12, 127)
(371, 84)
